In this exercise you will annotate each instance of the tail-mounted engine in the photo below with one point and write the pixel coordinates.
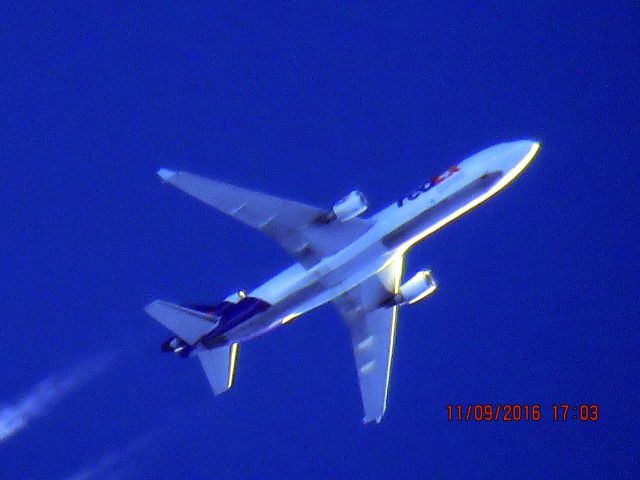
(412, 291)
(349, 207)
(177, 346)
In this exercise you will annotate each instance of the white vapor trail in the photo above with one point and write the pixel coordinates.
(44, 395)
(113, 464)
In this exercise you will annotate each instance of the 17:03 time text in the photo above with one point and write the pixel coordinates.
(515, 412)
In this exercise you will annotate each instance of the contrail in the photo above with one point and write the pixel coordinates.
(113, 464)
(44, 395)
(105, 465)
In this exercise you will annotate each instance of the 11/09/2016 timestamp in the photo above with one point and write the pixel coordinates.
(515, 412)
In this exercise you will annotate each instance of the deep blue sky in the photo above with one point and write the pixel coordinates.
(538, 299)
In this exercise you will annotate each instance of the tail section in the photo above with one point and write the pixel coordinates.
(188, 324)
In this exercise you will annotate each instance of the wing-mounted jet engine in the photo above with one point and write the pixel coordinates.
(349, 207)
(413, 290)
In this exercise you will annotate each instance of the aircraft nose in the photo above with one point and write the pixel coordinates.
(521, 148)
(512, 155)
(523, 152)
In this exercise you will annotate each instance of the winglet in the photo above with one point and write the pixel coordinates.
(165, 174)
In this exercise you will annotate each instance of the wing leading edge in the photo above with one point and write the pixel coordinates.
(373, 333)
(292, 224)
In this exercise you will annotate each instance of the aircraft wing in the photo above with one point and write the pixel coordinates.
(373, 332)
(290, 223)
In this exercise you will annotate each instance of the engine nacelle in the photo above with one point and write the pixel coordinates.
(413, 290)
(349, 207)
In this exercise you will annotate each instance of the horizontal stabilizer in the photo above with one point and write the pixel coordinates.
(188, 324)
(220, 366)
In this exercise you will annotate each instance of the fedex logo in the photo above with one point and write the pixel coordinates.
(428, 186)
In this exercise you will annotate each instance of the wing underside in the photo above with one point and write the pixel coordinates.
(292, 224)
(373, 332)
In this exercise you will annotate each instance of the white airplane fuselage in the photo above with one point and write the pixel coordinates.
(395, 229)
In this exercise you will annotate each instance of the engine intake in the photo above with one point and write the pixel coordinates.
(415, 289)
(349, 207)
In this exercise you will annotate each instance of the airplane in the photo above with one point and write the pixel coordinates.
(343, 258)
